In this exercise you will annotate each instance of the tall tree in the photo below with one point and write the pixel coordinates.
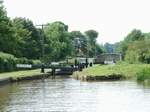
(92, 36)
(58, 43)
(80, 43)
(134, 35)
(28, 38)
(138, 51)
(7, 33)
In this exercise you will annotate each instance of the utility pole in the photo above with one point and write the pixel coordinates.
(42, 42)
(42, 45)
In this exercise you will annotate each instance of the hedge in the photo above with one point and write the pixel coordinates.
(8, 62)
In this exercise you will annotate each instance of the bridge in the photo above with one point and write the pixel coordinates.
(108, 57)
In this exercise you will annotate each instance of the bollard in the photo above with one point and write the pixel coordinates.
(80, 67)
(53, 71)
(42, 69)
(86, 62)
(91, 64)
(75, 62)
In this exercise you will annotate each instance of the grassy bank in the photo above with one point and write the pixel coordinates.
(20, 75)
(111, 72)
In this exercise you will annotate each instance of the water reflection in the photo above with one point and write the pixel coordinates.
(69, 95)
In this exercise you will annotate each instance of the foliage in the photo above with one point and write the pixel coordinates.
(99, 49)
(7, 33)
(21, 38)
(58, 43)
(135, 48)
(144, 74)
(109, 48)
(8, 62)
(134, 35)
(28, 38)
(92, 36)
(80, 43)
(139, 51)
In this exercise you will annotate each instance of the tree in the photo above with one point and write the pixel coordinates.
(139, 51)
(58, 42)
(28, 37)
(92, 36)
(109, 48)
(134, 35)
(99, 49)
(80, 43)
(7, 33)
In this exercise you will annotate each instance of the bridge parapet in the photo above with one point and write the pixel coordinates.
(105, 57)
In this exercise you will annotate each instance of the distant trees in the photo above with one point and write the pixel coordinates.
(135, 47)
(80, 43)
(134, 35)
(109, 48)
(92, 36)
(139, 51)
(85, 44)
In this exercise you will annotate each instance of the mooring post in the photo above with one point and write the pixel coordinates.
(42, 69)
(91, 64)
(53, 71)
(80, 67)
(86, 62)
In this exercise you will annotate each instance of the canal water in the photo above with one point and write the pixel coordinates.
(69, 95)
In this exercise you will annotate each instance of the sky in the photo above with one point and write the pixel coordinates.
(113, 19)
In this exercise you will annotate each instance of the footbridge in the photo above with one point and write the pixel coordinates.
(108, 57)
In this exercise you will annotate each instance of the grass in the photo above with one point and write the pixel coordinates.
(20, 74)
(141, 72)
(126, 70)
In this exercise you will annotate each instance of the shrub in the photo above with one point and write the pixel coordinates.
(144, 74)
(36, 62)
(8, 62)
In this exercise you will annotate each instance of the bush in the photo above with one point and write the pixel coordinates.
(36, 62)
(8, 62)
(144, 74)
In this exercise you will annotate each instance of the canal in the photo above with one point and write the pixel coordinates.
(69, 95)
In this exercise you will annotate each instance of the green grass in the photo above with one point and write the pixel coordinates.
(126, 70)
(19, 74)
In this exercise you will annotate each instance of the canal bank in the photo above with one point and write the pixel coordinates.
(9, 77)
(121, 71)
(97, 72)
